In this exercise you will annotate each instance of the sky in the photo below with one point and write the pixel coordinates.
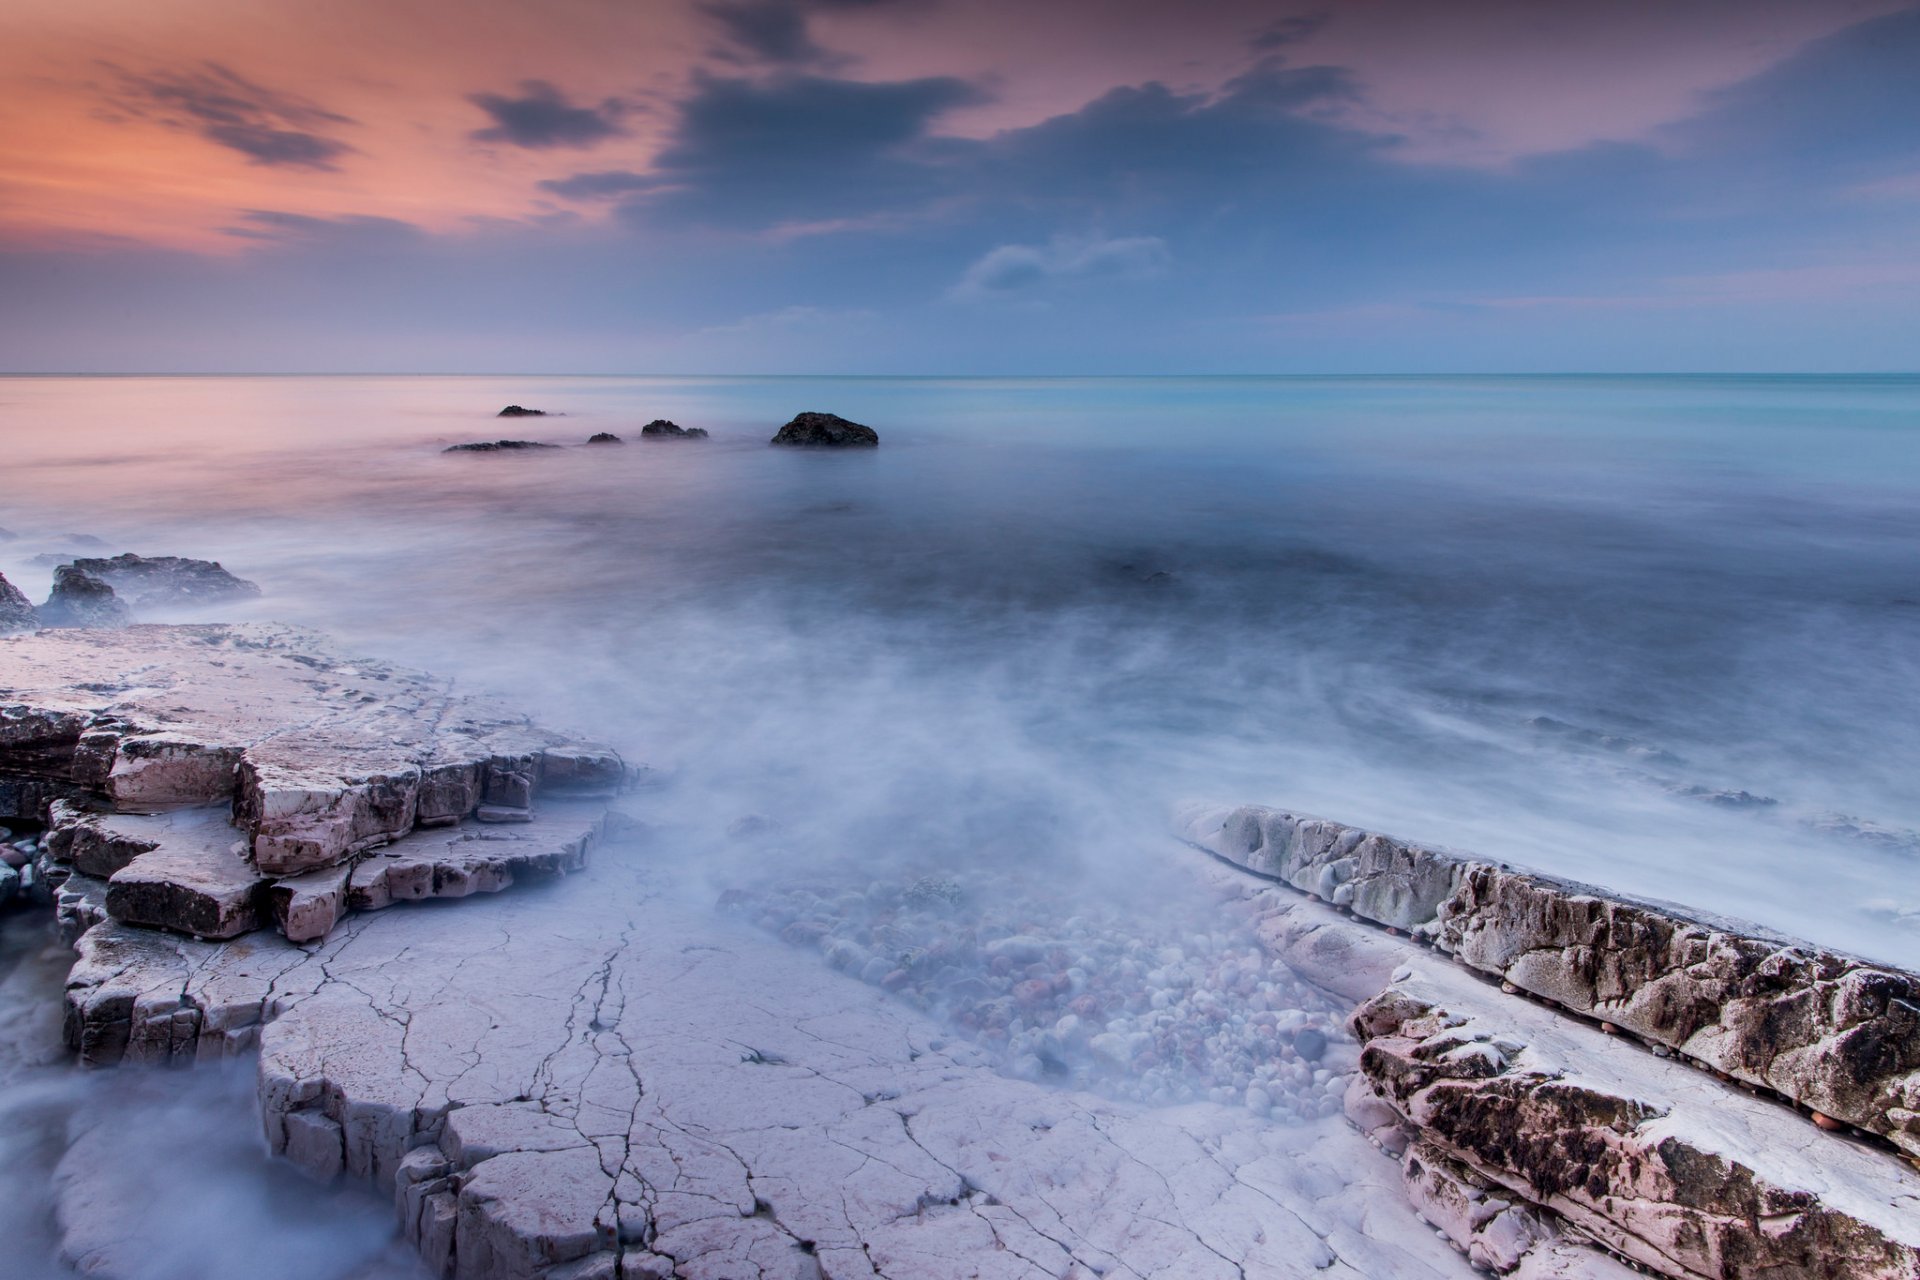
(959, 186)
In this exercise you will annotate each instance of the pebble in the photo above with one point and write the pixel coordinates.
(1097, 999)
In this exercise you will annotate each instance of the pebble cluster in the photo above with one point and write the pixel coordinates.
(1081, 993)
(18, 873)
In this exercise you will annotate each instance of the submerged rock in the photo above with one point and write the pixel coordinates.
(661, 429)
(825, 430)
(160, 581)
(516, 411)
(16, 611)
(496, 446)
(81, 600)
(604, 437)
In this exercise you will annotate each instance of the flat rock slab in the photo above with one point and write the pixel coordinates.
(186, 870)
(477, 856)
(194, 876)
(607, 1078)
(1831, 1031)
(321, 756)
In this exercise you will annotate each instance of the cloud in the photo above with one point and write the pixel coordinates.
(351, 231)
(759, 153)
(778, 32)
(1021, 268)
(772, 31)
(542, 118)
(1840, 104)
(1289, 30)
(603, 185)
(268, 127)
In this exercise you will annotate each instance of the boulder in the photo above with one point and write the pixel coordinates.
(604, 437)
(516, 411)
(81, 600)
(661, 429)
(825, 431)
(497, 446)
(164, 581)
(16, 611)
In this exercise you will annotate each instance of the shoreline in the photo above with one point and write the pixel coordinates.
(331, 1115)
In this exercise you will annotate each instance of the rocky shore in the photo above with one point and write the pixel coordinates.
(1354, 1057)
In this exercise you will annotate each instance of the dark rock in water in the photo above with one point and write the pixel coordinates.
(604, 437)
(16, 611)
(81, 600)
(661, 429)
(148, 581)
(495, 446)
(826, 430)
(515, 411)
(1310, 1044)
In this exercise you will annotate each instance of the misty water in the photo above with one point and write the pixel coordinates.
(1660, 634)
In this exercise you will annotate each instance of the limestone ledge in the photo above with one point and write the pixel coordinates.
(1523, 1131)
(185, 870)
(1833, 1032)
(1661, 1163)
(320, 756)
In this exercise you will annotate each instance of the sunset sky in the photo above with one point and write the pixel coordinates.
(930, 186)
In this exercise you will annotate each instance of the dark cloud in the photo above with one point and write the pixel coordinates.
(1289, 30)
(352, 231)
(542, 117)
(765, 31)
(604, 185)
(225, 108)
(1844, 102)
(777, 32)
(801, 147)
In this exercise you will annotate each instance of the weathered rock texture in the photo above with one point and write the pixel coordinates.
(1830, 1031)
(166, 581)
(1518, 1124)
(186, 871)
(16, 611)
(1658, 1161)
(825, 430)
(610, 1080)
(661, 429)
(81, 600)
(321, 758)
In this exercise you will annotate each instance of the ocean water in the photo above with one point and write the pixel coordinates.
(1662, 634)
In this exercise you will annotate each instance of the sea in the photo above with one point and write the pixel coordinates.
(1659, 634)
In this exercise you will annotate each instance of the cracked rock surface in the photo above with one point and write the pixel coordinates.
(1831, 1031)
(606, 1078)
